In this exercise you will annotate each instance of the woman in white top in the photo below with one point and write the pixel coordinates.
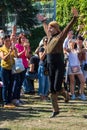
(75, 69)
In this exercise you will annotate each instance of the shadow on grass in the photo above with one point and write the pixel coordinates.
(14, 114)
(85, 116)
(23, 112)
(5, 129)
(37, 107)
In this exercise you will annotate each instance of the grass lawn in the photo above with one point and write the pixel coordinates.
(34, 115)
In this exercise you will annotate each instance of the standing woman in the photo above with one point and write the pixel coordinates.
(7, 55)
(23, 52)
(43, 78)
(75, 70)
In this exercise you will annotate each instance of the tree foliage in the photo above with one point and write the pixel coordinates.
(24, 10)
(36, 35)
(63, 10)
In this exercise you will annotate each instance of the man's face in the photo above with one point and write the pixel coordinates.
(7, 42)
(79, 43)
(70, 34)
(52, 30)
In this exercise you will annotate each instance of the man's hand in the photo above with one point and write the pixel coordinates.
(41, 17)
(14, 29)
(74, 12)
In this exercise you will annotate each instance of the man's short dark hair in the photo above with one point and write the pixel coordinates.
(79, 37)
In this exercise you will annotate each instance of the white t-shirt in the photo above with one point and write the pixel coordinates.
(65, 44)
(41, 43)
(73, 59)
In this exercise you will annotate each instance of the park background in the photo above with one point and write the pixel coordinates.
(34, 115)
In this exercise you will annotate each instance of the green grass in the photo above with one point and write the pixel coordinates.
(34, 115)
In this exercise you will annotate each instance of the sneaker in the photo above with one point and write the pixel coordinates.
(21, 101)
(82, 97)
(9, 106)
(73, 97)
(16, 102)
(54, 114)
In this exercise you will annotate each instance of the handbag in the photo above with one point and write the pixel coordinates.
(46, 72)
(75, 69)
(18, 66)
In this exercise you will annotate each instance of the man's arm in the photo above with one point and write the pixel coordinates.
(45, 25)
(63, 34)
(14, 29)
(31, 66)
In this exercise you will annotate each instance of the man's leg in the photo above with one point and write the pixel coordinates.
(54, 104)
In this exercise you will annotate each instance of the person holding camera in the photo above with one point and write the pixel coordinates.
(42, 74)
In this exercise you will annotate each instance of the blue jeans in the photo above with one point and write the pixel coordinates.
(7, 79)
(18, 81)
(43, 82)
(0, 72)
(28, 84)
